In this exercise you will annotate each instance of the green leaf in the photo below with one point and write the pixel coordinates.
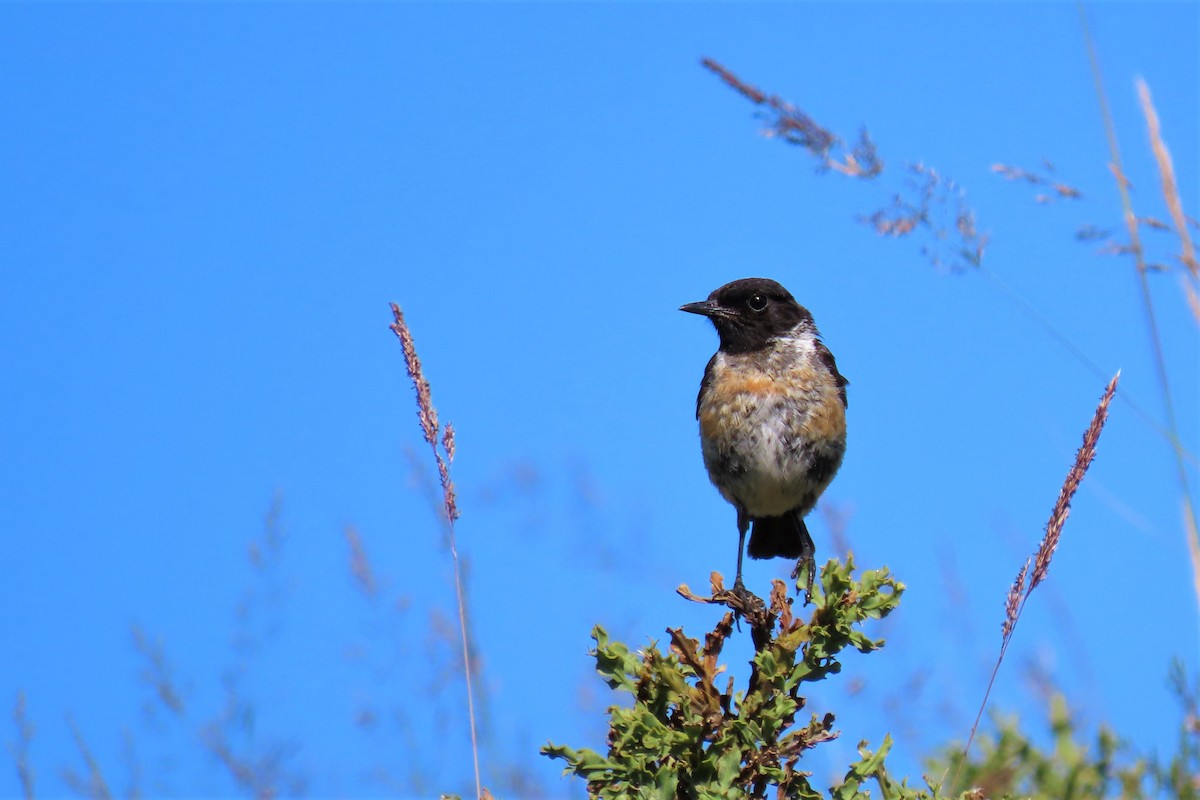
(684, 736)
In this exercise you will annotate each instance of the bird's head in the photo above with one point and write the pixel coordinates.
(750, 312)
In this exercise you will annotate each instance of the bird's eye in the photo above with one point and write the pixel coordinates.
(757, 303)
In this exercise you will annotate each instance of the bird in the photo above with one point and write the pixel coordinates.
(772, 417)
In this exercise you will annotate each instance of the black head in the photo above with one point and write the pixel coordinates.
(750, 312)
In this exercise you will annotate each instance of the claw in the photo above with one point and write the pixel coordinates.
(807, 559)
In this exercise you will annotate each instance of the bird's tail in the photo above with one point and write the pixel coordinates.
(783, 537)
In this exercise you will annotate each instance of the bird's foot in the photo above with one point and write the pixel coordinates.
(808, 565)
(744, 600)
(740, 591)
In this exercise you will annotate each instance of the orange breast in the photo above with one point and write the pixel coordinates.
(734, 395)
(826, 420)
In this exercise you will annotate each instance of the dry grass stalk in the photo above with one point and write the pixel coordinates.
(1170, 188)
(1061, 190)
(94, 785)
(793, 126)
(1012, 603)
(937, 204)
(1193, 300)
(157, 672)
(1109, 246)
(1160, 363)
(427, 414)
(267, 551)
(921, 205)
(20, 749)
(256, 777)
(1022, 588)
(1062, 507)
(791, 123)
(360, 565)
(134, 783)
(927, 202)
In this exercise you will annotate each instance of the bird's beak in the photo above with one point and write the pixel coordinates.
(707, 308)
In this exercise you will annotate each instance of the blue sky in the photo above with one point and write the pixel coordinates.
(206, 209)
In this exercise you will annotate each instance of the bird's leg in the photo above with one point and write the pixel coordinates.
(743, 523)
(808, 552)
(745, 600)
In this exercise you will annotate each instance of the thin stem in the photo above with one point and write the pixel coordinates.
(466, 652)
(1160, 362)
(1083, 358)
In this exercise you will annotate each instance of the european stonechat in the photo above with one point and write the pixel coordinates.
(772, 412)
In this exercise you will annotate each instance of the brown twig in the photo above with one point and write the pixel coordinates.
(744, 603)
(427, 414)
(759, 614)
(1036, 568)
